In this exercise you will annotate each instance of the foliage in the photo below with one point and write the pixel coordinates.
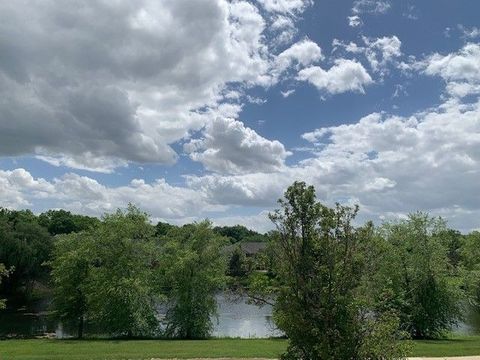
(106, 274)
(70, 270)
(319, 304)
(470, 255)
(417, 276)
(237, 265)
(3, 273)
(162, 228)
(192, 271)
(64, 222)
(238, 233)
(24, 246)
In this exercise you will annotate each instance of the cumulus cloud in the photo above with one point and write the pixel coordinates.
(379, 52)
(86, 195)
(127, 86)
(460, 70)
(461, 66)
(345, 75)
(387, 164)
(227, 146)
(300, 54)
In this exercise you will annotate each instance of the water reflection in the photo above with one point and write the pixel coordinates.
(236, 318)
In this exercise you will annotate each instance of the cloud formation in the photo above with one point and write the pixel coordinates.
(227, 146)
(125, 88)
(345, 75)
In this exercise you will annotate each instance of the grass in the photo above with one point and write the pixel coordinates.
(43, 349)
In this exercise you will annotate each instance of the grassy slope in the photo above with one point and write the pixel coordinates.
(146, 349)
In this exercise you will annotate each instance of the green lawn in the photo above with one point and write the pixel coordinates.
(145, 349)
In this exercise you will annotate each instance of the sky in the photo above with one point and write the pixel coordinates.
(212, 108)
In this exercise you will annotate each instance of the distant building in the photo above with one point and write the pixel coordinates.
(248, 248)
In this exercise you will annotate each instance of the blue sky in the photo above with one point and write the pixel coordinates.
(212, 108)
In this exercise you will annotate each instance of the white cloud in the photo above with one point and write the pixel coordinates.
(287, 93)
(354, 21)
(227, 146)
(463, 65)
(469, 33)
(285, 6)
(345, 75)
(371, 6)
(300, 54)
(388, 164)
(379, 52)
(460, 70)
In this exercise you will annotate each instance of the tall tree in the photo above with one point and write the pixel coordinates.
(192, 271)
(120, 294)
(470, 255)
(319, 304)
(105, 274)
(70, 270)
(418, 273)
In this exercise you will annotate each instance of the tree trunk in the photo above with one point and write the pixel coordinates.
(80, 327)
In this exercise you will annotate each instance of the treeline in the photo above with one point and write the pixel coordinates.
(27, 244)
(338, 290)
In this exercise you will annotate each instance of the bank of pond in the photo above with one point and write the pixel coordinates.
(236, 318)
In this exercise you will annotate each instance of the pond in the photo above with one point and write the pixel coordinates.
(236, 318)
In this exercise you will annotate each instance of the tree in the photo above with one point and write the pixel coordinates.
(63, 222)
(70, 270)
(24, 246)
(418, 274)
(105, 275)
(3, 273)
(320, 305)
(470, 255)
(238, 233)
(237, 265)
(120, 294)
(192, 269)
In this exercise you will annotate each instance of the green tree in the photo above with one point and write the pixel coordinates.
(470, 255)
(238, 233)
(192, 270)
(3, 273)
(64, 222)
(24, 246)
(237, 264)
(105, 275)
(418, 274)
(70, 270)
(120, 294)
(321, 265)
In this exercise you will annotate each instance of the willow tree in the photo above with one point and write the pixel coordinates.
(192, 270)
(320, 304)
(105, 275)
(419, 276)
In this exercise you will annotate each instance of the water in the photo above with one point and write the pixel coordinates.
(236, 318)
